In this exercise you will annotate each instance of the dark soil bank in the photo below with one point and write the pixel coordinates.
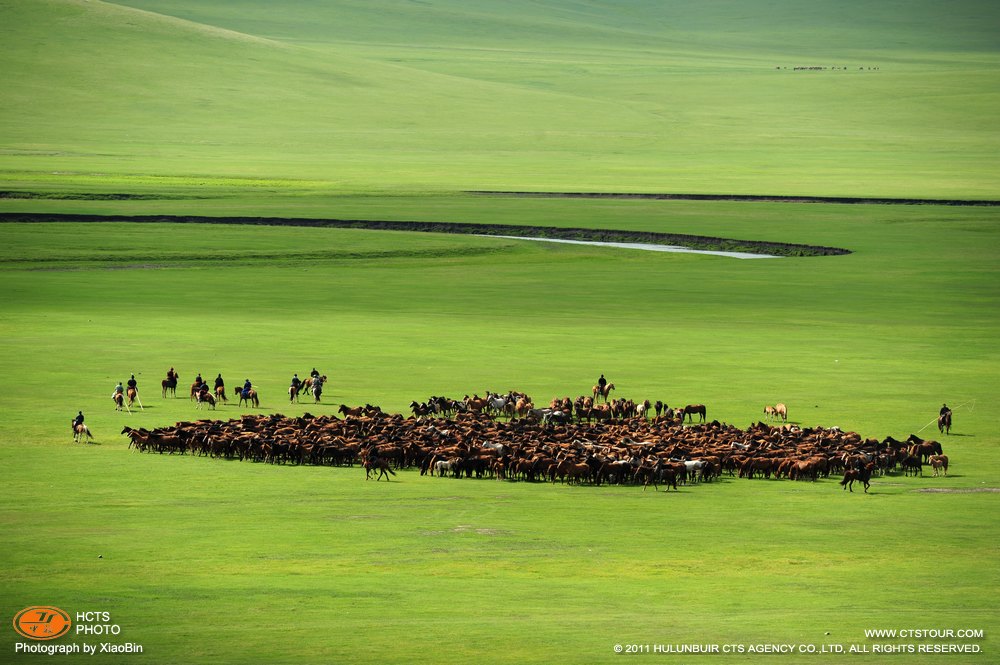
(592, 235)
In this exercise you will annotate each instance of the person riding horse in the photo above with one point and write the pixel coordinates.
(602, 382)
(133, 384)
(171, 374)
(219, 383)
(315, 373)
(119, 390)
(247, 387)
(78, 420)
(296, 382)
(944, 410)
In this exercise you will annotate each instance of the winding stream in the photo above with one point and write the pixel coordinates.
(644, 246)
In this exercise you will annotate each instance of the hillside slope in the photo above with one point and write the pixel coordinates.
(645, 96)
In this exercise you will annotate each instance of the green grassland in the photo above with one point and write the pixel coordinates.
(872, 341)
(455, 95)
(390, 110)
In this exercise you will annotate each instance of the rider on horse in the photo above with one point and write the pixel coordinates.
(247, 387)
(171, 374)
(219, 383)
(944, 410)
(602, 383)
(119, 390)
(78, 420)
(315, 373)
(132, 383)
(296, 382)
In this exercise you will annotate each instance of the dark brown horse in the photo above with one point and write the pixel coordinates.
(374, 464)
(169, 384)
(691, 409)
(944, 422)
(861, 475)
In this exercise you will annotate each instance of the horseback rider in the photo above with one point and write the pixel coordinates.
(78, 420)
(119, 390)
(247, 387)
(219, 383)
(171, 374)
(944, 410)
(296, 382)
(315, 373)
(132, 384)
(198, 379)
(601, 383)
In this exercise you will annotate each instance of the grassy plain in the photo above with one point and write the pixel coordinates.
(321, 566)
(388, 110)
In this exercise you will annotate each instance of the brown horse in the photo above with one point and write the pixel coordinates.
(293, 393)
(119, 400)
(356, 412)
(250, 397)
(944, 422)
(130, 394)
(308, 384)
(598, 393)
(374, 464)
(939, 463)
(691, 409)
(220, 393)
(862, 475)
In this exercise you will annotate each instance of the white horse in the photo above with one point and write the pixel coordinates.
(496, 403)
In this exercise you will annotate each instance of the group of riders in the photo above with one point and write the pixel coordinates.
(201, 386)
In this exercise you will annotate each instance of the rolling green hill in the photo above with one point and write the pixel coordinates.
(645, 96)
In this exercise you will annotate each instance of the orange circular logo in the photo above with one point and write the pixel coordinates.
(42, 622)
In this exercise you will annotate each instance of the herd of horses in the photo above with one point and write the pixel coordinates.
(453, 442)
(568, 440)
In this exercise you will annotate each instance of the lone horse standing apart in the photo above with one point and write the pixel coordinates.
(862, 475)
(80, 431)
